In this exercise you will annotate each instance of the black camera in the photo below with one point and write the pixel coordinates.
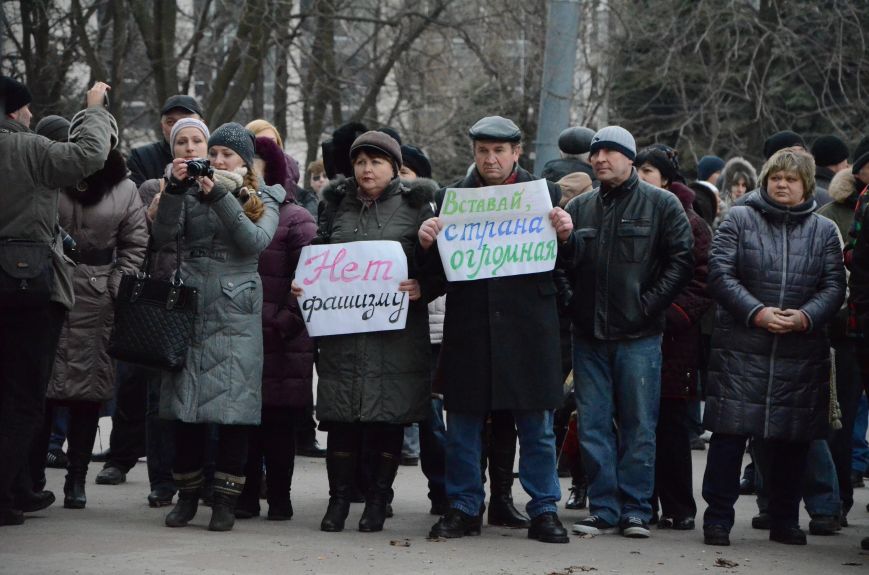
(199, 167)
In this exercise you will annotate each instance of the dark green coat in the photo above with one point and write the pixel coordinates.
(380, 376)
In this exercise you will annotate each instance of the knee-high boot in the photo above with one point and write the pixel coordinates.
(189, 489)
(341, 469)
(502, 453)
(379, 492)
(227, 488)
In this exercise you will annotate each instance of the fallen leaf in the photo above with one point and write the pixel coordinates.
(581, 569)
(852, 564)
(722, 562)
(400, 542)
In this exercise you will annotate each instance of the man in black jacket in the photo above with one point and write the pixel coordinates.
(500, 355)
(149, 161)
(629, 256)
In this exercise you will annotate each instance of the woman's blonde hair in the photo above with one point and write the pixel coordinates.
(791, 160)
(260, 126)
(253, 207)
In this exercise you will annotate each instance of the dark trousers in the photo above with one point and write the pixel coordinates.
(159, 436)
(849, 386)
(191, 441)
(787, 463)
(83, 420)
(127, 441)
(432, 441)
(673, 484)
(28, 343)
(274, 442)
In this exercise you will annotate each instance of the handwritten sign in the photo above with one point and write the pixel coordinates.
(497, 231)
(352, 287)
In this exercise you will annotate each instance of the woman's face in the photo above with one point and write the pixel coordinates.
(738, 188)
(223, 158)
(190, 143)
(786, 188)
(652, 175)
(318, 180)
(373, 173)
(407, 174)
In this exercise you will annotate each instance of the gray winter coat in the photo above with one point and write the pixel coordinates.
(762, 384)
(380, 376)
(34, 170)
(222, 379)
(107, 221)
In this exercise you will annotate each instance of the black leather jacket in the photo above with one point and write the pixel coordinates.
(630, 254)
(149, 161)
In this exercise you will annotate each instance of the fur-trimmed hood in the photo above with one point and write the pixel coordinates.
(416, 193)
(843, 186)
(734, 169)
(91, 190)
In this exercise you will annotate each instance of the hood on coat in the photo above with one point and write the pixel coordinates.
(685, 194)
(760, 201)
(734, 169)
(416, 193)
(91, 190)
(277, 170)
(843, 186)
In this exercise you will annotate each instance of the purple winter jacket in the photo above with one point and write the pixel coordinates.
(288, 350)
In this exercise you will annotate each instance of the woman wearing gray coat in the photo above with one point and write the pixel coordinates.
(105, 217)
(224, 222)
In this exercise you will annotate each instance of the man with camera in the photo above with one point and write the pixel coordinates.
(35, 277)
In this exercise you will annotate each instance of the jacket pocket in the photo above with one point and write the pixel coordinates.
(240, 289)
(634, 239)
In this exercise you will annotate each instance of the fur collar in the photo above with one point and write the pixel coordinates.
(94, 187)
(843, 186)
(415, 193)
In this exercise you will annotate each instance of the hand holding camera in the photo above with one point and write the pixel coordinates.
(189, 172)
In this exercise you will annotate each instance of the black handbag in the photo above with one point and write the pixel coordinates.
(26, 274)
(154, 319)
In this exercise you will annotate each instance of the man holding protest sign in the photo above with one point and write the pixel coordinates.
(496, 245)
(630, 255)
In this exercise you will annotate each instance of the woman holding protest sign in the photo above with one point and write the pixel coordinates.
(224, 220)
(372, 384)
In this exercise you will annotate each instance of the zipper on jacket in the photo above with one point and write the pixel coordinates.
(781, 299)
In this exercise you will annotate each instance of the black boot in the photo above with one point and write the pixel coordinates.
(189, 489)
(81, 435)
(455, 524)
(502, 512)
(227, 488)
(379, 493)
(74, 496)
(341, 469)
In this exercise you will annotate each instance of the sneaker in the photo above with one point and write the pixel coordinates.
(592, 525)
(56, 459)
(634, 527)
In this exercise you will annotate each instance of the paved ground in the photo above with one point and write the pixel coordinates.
(119, 534)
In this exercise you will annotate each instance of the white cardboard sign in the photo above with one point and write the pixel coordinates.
(352, 287)
(497, 231)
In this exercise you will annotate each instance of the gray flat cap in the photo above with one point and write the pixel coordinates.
(495, 128)
(575, 141)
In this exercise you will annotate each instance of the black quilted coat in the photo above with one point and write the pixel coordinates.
(760, 384)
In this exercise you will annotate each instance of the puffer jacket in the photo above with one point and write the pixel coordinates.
(107, 221)
(630, 254)
(680, 346)
(288, 363)
(35, 169)
(762, 384)
(437, 309)
(222, 379)
(378, 376)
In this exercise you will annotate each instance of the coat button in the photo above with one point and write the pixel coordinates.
(230, 284)
(93, 280)
(497, 315)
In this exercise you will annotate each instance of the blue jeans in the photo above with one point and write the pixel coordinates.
(860, 450)
(59, 427)
(537, 472)
(820, 487)
(410, 445)
(618, 380)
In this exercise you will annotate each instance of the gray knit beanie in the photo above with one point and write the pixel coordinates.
(614, 138)
(55, 128)
(237, 138)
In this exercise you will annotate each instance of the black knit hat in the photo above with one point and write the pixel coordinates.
(780, 141)
(861, 155)
(829, 151)
(664, 158)
(379, 142)
(237, 138)
(416, 160)
(391, 132)
(13, 94)
(54, 128)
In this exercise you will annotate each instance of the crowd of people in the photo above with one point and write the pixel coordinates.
(730, 289)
